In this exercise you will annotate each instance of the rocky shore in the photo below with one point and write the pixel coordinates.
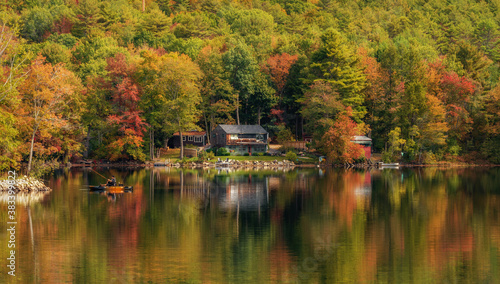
(25, 184)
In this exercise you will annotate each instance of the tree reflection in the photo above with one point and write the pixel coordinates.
(407, 225)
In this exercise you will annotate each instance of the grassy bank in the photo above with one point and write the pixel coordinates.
(173, 156)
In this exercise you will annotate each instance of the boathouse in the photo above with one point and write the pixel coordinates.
(366, 142)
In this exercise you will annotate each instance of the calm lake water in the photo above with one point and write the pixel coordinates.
(304, 225)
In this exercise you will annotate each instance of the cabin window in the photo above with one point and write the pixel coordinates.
(234, 136)
(198, 139)
(246, 136)
(190, 138)
(183, 138)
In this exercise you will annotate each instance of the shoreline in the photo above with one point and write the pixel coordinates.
(268, 163)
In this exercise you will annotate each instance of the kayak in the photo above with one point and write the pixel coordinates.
(111, 189)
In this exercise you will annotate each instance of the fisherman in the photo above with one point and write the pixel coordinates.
(111, 182)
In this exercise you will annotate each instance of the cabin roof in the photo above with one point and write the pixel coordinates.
(191, 133)
(243, 129)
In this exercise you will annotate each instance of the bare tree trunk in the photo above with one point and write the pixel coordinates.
(238, 108)
(207, 129)
(212, 126)
(258, 116)
(31, 148)
(302, 125)
(143, 5)
(152, 143)
(87, 144)
(182, 142)
(296, 128)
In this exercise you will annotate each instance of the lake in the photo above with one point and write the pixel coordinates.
(423, 225)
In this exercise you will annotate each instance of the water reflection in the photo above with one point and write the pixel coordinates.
(24, 198)
(245, 192)
(424, 225)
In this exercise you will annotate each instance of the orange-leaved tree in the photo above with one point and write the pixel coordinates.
(337, 143)
(12, 72)
(51, 104)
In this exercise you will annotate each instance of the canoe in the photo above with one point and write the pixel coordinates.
(111, 189)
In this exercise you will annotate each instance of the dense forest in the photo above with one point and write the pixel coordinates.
(115, 79)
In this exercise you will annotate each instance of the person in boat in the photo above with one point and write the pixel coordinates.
(111, 182)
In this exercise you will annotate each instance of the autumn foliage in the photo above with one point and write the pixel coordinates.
(337, 141)
(134, 77)
(126, 117)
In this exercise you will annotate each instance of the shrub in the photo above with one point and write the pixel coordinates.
(454, 150)
(210, 155)
(386, 157)
(186, 160)
(430, 158)
(246, 154)
(291, 156)
(260, 154)
(360, 160)
(222, 152)
(205, 156)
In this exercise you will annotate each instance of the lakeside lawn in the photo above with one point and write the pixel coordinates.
(173, 155)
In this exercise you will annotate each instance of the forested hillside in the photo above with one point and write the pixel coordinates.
(115, 79)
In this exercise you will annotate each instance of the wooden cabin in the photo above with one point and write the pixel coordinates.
(240, 139)
(196, 138)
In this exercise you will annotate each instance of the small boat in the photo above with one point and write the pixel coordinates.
(111, 189)
(389, 165)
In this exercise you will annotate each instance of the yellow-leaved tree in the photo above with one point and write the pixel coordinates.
(171, 91)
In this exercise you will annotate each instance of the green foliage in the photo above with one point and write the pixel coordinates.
(336, 63)
(205, 156)
(291, 156)
(89, 18)
(321, 106)
(284, 134)
(55, 53)
(67, 40)
(36, 23)
(251, 22)
(44, 166)
(395, 146)
(430, 158)
(9, 143)
(90, 55)
(222, 152)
